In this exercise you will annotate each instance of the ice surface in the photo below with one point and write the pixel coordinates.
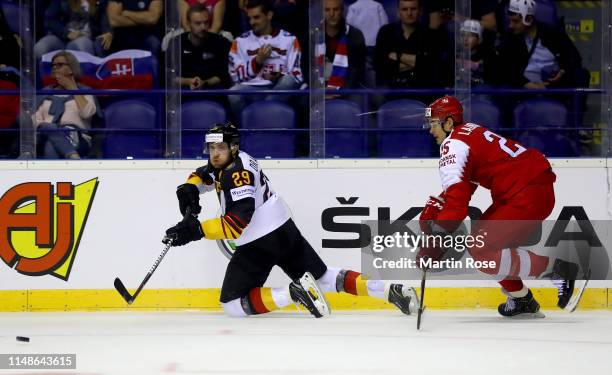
(380, 343)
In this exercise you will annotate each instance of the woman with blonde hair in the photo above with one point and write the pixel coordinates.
(62, 121)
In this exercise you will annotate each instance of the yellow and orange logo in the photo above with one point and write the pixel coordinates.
(40, 229)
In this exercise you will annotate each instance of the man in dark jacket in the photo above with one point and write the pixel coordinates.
(536, 56)
(345, 51)
(407, 54)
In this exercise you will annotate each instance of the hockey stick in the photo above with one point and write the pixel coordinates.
(421, 302)
(123, 290)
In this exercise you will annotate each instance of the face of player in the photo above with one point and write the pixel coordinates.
(220, 154)
(408, 11)
(333, 12)
(199, 23)
(260, 22)
(437, 129)
(515, 23)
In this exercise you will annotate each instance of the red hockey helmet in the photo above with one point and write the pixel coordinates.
(443, 108)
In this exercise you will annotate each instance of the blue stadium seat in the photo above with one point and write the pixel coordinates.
(197, 117)
(401, 133)
(545, 113)
(12, 14)
(344, 135)
(486, 114)
(267, 130)
(132, 130)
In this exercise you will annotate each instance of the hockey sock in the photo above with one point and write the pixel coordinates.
(264, 300)
(353, 283)
(520, 263)
(512, 286)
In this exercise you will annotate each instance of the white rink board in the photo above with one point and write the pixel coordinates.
(135, 203)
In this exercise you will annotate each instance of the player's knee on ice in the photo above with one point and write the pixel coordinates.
(234, 308)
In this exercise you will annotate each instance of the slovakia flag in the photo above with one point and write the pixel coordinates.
(128, 69)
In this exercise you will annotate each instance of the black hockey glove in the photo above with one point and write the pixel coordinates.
(189, 196)
(187, 230)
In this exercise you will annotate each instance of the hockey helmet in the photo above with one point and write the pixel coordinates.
(443, 108)
(222, 132)
(524, 8)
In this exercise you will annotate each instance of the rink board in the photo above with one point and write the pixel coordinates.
(124, 207)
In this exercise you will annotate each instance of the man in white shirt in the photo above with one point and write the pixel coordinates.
(263, 58)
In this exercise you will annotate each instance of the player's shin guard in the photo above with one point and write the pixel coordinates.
(264, 300)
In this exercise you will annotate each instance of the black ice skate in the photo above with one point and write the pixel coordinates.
(563, 276)
(403, 297)
(306, 292)
(520, 307)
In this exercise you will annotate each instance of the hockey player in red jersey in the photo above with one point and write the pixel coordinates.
(521, 183)
(257, 220)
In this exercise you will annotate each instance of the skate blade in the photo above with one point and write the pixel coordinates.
(572, 305)
(527, 316)
(315, 294)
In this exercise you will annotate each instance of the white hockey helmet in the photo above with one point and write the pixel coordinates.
(524, 8)
(472, 26)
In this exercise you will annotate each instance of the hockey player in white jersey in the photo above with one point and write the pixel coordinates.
(263, 58)
(255, 217)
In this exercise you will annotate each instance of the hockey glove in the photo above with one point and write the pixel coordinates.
(187, 230)
(433, 206)
(189, 196)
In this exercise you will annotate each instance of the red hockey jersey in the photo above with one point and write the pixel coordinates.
(473, 155)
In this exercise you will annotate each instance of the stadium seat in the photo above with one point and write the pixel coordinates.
(344, 135)
(401, 133)
(486, 114)
(197, 117)
(131, 130)
(267, 130)
(549, 114)
(12, 14)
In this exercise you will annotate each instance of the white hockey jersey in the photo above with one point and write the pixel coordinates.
(285, 57)
(250, 208)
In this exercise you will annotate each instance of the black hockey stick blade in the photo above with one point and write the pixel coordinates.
(421, 302)
(123, 291)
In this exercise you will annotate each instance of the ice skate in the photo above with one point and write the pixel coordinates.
(520, 307)
(403, 297)
(307, 293)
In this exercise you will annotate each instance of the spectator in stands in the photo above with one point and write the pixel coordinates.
(345, 52)
(61, 120)
(203, 54)
(443, 11)
(482, 57)
(10, 44)
(368, 16)
(263, 58)
(216, 9)
(407, 54)
(73, 25)
(137, 24)
(9, 80)
(535, 56)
